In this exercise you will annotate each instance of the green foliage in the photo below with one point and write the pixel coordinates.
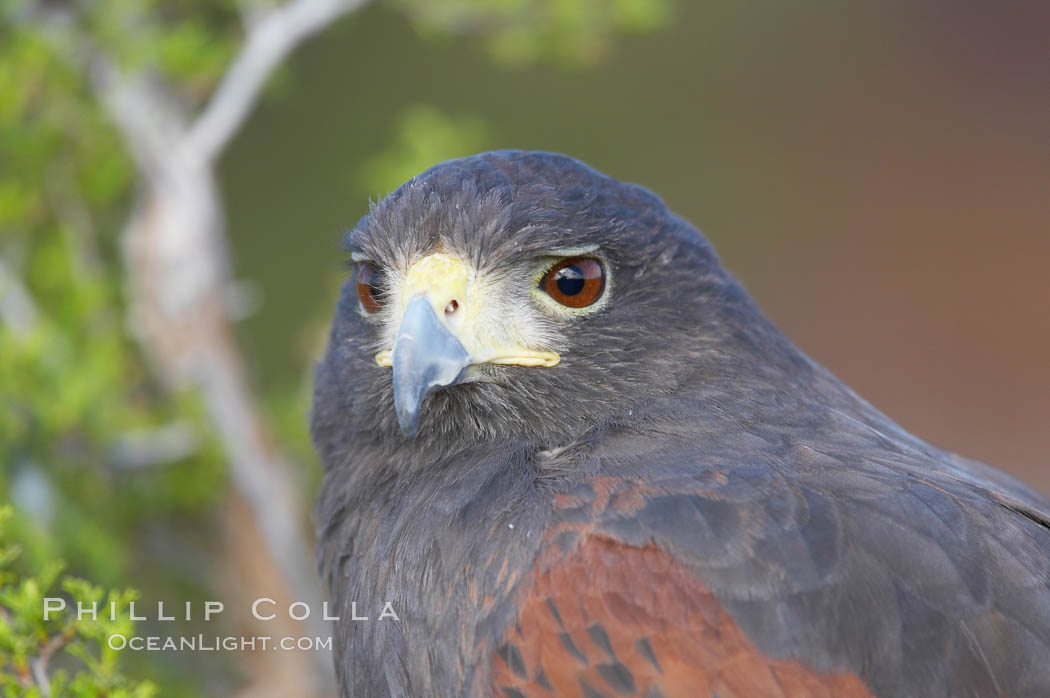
(571, 32)
(187, 43)
(29, 643)
(75, 390)
(423, 137)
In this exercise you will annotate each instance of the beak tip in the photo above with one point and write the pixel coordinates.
(426, 357)
(408, 422)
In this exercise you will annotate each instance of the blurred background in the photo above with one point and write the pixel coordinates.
(175, 180)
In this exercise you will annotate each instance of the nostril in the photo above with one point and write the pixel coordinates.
(452, 307)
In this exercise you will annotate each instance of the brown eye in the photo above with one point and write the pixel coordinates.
(575, 282)
(367, 290)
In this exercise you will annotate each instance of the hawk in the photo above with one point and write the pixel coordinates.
(566, 447)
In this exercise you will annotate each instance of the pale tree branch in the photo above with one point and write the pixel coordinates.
(178, 274)
(146, 448)
(271, 37)
(18, 311)
(39, 664)
(146, 116)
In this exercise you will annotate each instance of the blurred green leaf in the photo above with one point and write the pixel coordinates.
(568, 32)
(423, 136)
(28, 640)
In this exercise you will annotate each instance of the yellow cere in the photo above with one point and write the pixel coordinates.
(443, 278)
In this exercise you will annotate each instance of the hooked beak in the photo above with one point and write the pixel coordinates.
(430, 351)
(426, 356)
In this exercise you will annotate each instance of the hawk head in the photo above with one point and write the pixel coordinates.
(518, 296)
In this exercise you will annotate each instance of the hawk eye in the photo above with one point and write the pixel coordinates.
(575, 282)
(367, 287)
